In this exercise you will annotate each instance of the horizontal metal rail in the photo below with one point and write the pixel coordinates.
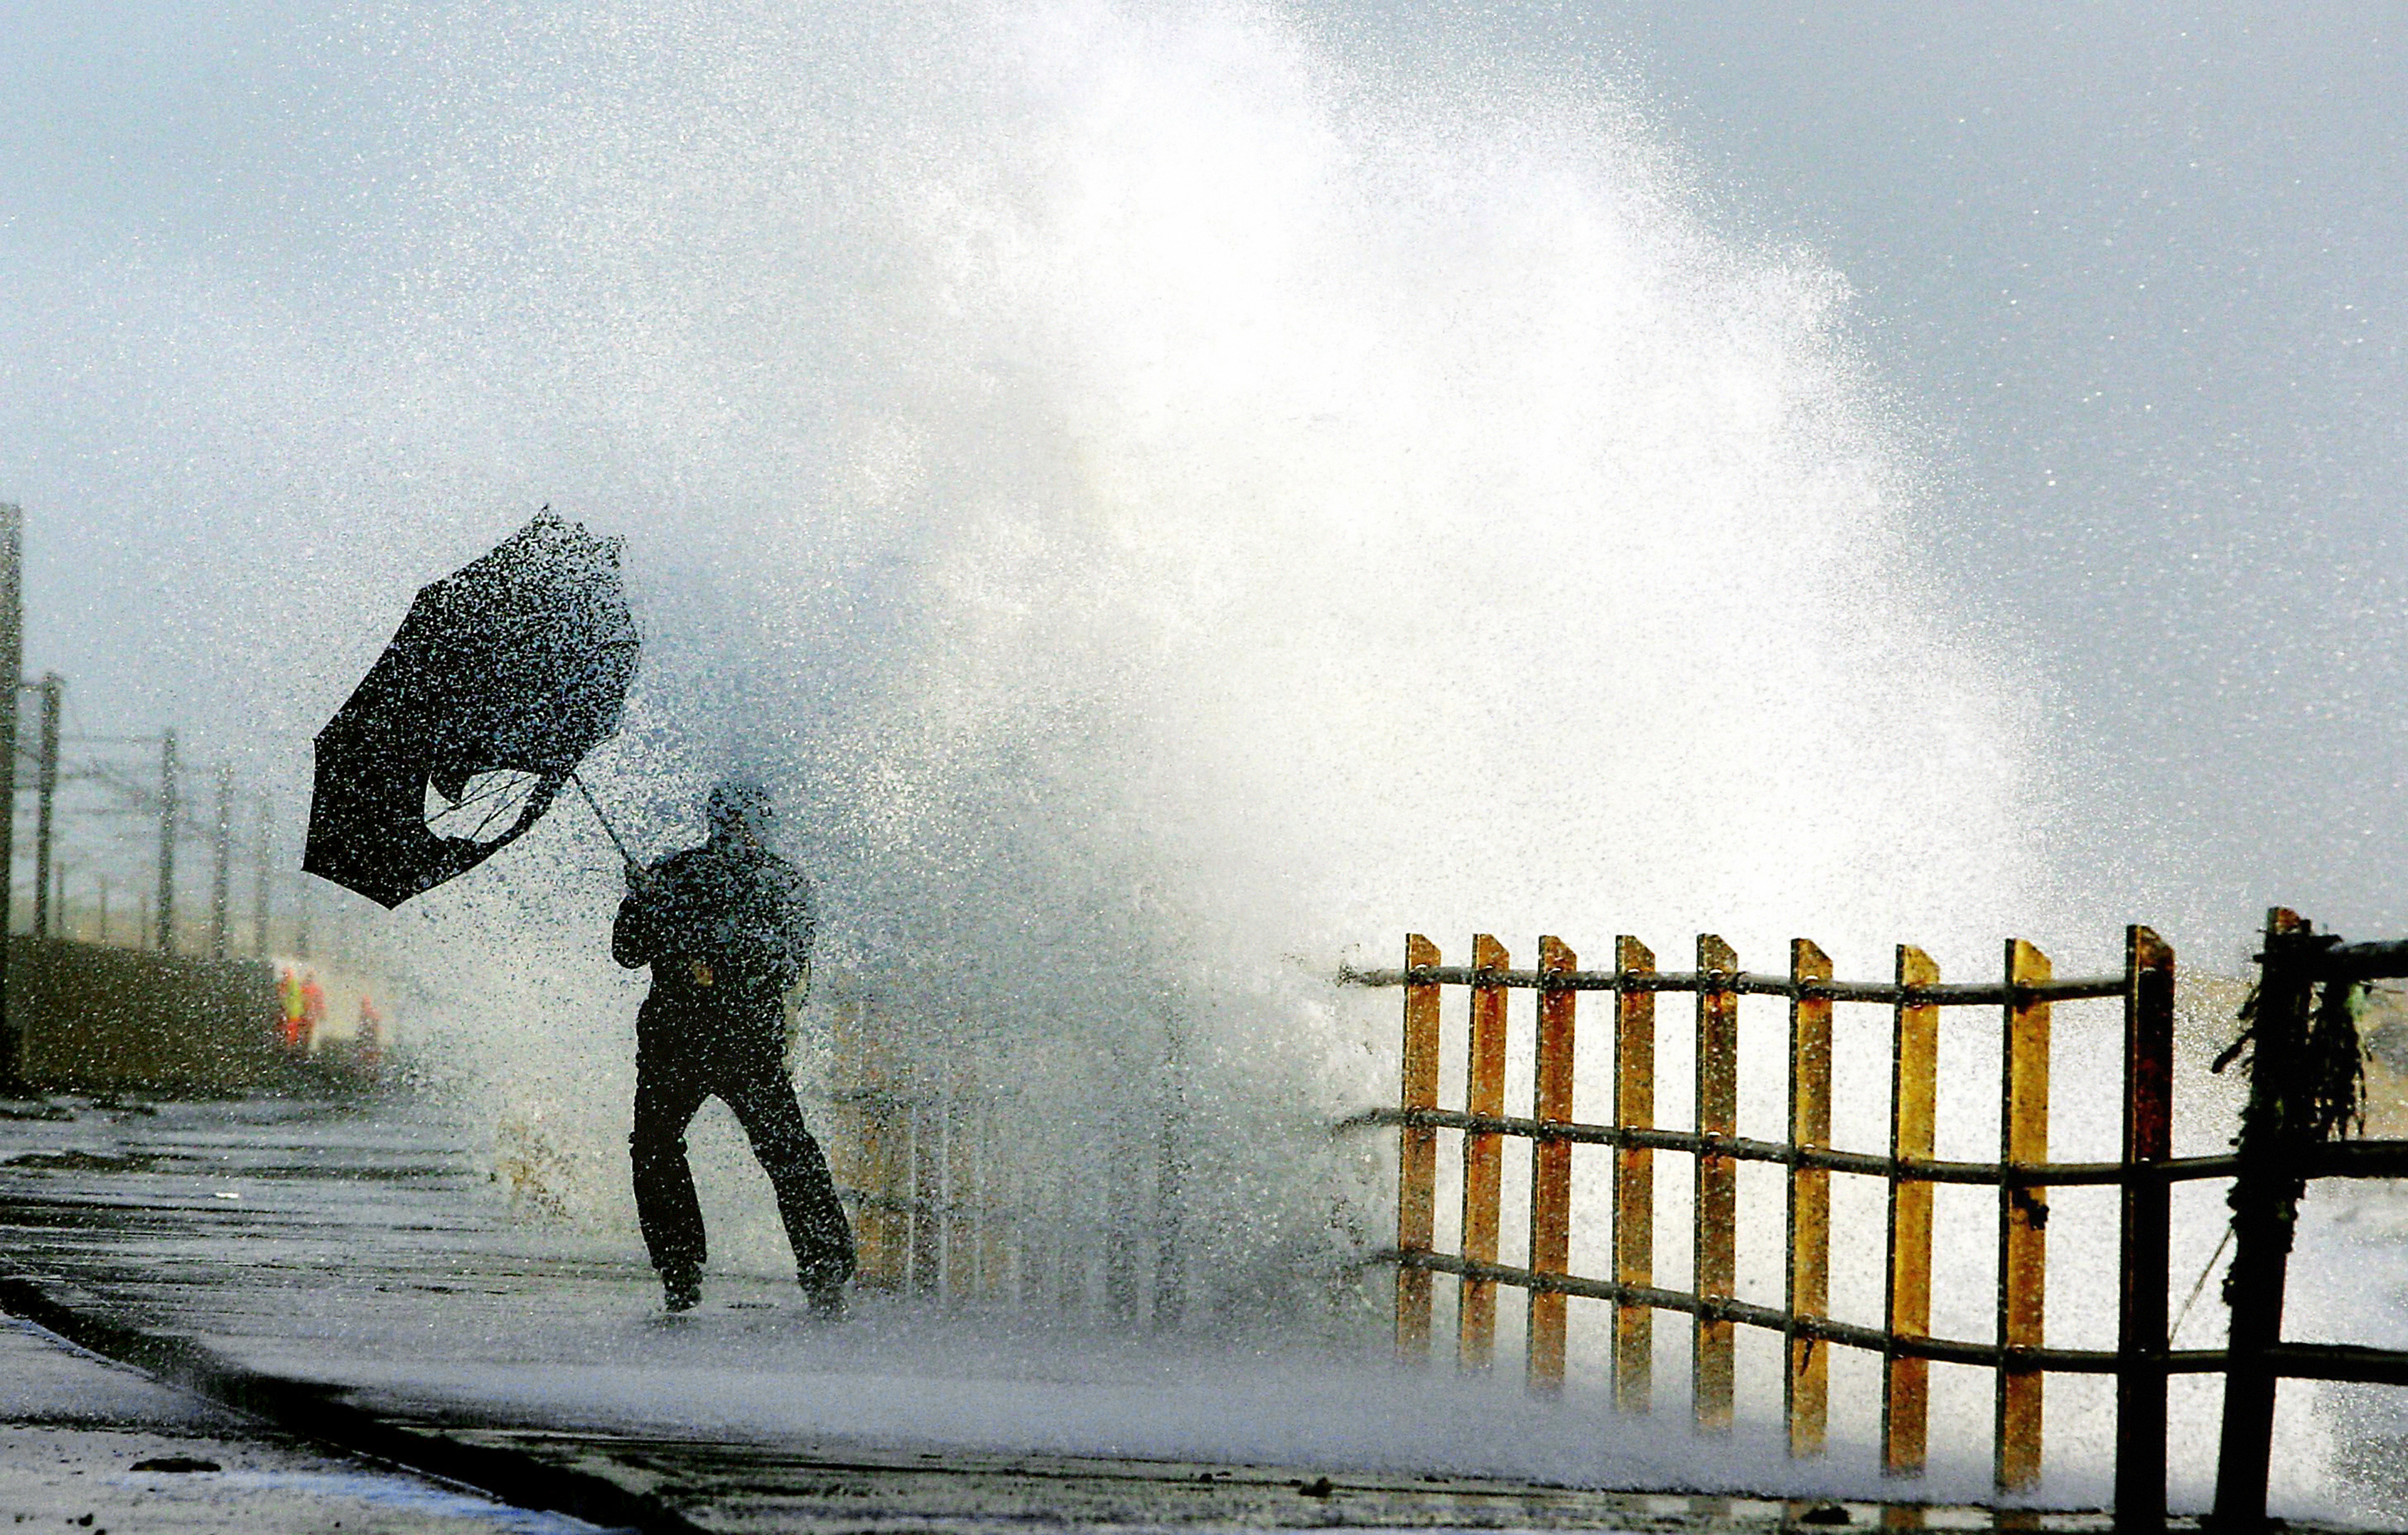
(2383, 961)
(908, 1205)
(1772, 1318)
(2339, 1362)
(2295, 1361)
(1752, 982)
(2341, 1160)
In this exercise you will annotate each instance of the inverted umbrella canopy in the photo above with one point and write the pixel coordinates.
(518, 662)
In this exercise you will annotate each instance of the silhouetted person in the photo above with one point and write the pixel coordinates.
(727, 928)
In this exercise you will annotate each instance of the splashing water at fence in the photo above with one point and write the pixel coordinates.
(1173, 498)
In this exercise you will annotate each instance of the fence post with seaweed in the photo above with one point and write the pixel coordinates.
(2145, 1233)
(2278, 1123)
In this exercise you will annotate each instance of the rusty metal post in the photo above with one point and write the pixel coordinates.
(1417, 1153)
(1634, 1173)
(1550, 1169)
(1712, 1362)
(2146, 1234)
(2265, 1205)
(1806, 1382)
(2023, 1219)
(1483, 1155)
(1915, 1086)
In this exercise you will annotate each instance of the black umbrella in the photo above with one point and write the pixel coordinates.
(503, 676)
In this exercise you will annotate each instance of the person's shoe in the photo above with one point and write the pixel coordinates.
(680, 1288)
(827, 1298)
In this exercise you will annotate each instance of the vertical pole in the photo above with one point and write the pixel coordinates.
(959, 1196)
(1417, 1152)
(884, 1142)
(1634, 1173)
(1915, 1084)
(1170, 1189)
(997, 1226)
(1033, 1242)
(2265, 1203)
(104, 910)
(927, 1195)
(1069, 1258)
(1806, 1389)
(13, 665)
(301, 919)
(1550, 1169)
(1483, 1154)
(1712, 1362)
(222, 870)
(261, 860)
(2146, 1233)
(1120, 1227)
(167, 810)
(2023, 1219)
(46, 793)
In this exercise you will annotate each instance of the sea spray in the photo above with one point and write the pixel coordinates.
(1172, 515)
(1172, 504)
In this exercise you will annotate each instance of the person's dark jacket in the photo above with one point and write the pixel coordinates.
(724, 925)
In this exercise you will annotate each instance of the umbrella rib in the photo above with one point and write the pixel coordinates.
(487, 824)
(498, 787)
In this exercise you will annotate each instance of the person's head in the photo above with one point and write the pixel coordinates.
(741, 807)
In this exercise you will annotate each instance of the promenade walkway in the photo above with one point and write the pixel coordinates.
(355, 1277)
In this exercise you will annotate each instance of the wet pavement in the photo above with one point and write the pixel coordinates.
(355, 1284)
(88, 1444)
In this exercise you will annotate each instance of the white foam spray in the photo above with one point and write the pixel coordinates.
(1173, 504)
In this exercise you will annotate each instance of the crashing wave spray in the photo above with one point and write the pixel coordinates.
(1173, 511)
(1175, 505)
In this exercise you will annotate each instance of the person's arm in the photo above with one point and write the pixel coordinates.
(798, 920)
(632, 935)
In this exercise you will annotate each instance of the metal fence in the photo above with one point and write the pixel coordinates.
(2016, 1352)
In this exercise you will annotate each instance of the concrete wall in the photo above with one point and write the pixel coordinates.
(94, 1018)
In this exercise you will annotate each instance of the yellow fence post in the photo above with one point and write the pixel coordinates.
(1484, 1156)
(1550, 1169)
(1634, 1174)
(1806, 1389)
(1417, 1153)
(2023, 1218)
(1915, 1079)
(1711, 1361)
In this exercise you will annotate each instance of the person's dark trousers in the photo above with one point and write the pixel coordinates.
(681, 1061)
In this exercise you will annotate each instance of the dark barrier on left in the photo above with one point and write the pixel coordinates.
(96, 1019)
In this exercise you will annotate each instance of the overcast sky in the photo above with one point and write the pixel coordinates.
(2130, 276)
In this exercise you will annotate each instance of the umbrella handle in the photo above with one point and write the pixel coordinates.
(608, 830)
